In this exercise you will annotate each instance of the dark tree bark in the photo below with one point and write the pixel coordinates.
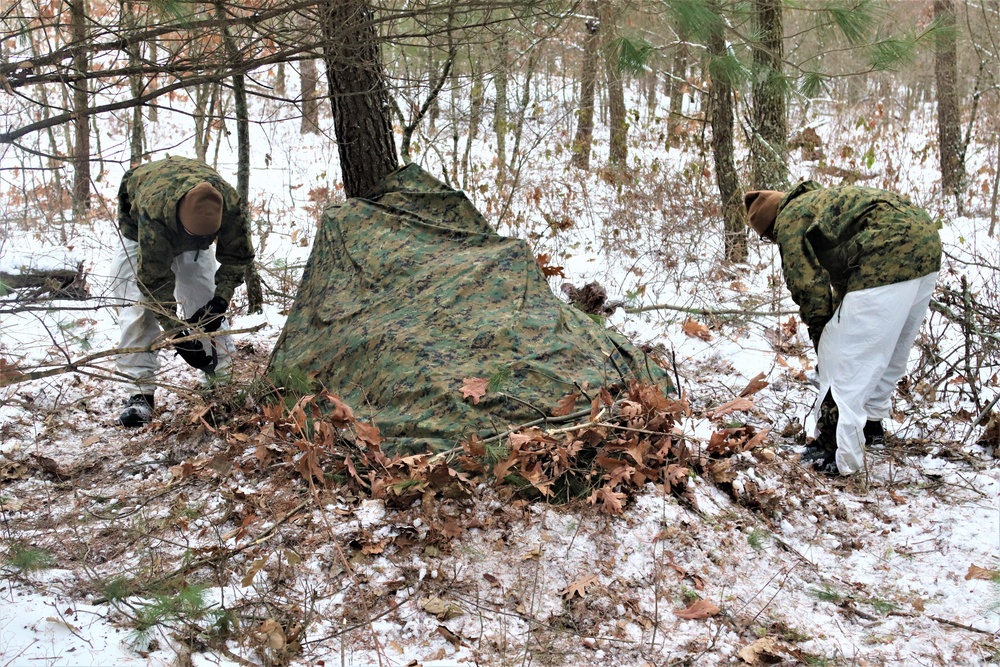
(617, 120)
(588, 86)
(81, 123)
(769, 170)
(946, 77)
(359, 97)
(309, 75)
(721, 109)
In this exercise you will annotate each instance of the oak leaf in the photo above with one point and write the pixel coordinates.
(578, 587)
(474, 388)
(755, 385)
(976, 572)
(698, 610)
(611, 500)
(565, 405)
(738, 404)
(696, 329)
(368, 433)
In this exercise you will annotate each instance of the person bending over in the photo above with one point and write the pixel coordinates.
(861, 264)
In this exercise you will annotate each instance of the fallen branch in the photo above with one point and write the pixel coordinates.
(711, 312)
(956, 624)
(12, 376)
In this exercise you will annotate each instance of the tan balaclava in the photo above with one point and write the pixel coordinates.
(762, 209)
(200, 210)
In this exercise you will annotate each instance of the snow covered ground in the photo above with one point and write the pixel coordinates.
(896, 567)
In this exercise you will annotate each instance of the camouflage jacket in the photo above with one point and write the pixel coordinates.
(147, 214)
(838, 240)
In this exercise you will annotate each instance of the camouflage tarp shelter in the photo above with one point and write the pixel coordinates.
(408, 291)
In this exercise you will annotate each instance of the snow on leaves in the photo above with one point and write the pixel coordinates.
(627, 442)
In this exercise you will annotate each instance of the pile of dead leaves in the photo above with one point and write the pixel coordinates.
(623, 444)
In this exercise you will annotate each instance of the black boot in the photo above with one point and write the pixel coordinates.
(821, 453)
(138, 411)
(874, 434)
(821, 457)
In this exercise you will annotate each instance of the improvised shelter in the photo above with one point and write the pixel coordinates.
(408, 291)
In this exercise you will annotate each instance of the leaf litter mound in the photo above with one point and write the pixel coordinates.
(605, 455)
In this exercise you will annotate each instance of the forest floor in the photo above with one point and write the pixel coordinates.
(197, 539)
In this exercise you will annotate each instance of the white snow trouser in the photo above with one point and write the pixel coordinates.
(862, 355)
(194, 286)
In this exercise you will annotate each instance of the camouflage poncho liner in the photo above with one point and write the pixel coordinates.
(409, 291)
(838, 240)
(147, 213)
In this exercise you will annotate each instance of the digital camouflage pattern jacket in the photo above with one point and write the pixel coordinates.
(147, 213)
(839, 240)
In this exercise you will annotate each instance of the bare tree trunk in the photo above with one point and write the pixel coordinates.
(152, 113)
(205, 100)
(500, 104)
(81, 101)
(721, 109)
(769, 133)
(588, 85)
(255, 294)
(678, 88)
(522, 107)
(475, 117)
(309, 75)
(279, 80)
(359, 97)
(129, 24)
(946, 77)
(617, 121)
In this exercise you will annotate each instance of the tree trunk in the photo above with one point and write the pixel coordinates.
(946, 77)
(129, 25)
(359, 97)
(475, 117)
(500, 104)
(81, 101)
(255, 294)
(721, 108)
(279, 80)
(588, 85)
(205, 99)
(770, 126)
(522, 107)
(617, 121)
(678, 88)
(309, 74)
(152, 113)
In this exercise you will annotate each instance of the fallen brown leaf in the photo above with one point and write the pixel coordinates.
(578, 587)
(735, 405)
(754, 386)
(474, 388)
(764, 651)
(698, 610)
(696, 330)
(565, 405)
(976, 572)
